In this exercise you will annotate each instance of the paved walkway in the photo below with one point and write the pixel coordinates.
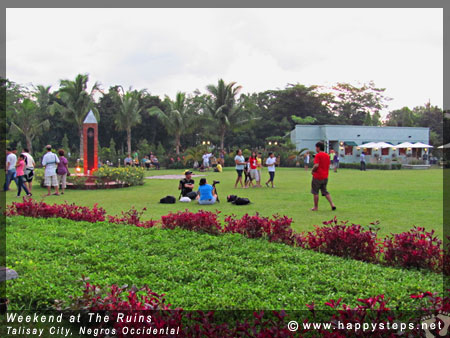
(169, 177)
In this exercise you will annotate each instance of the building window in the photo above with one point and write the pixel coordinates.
(368, 151)
(348, 150)
(402, 151)
(384, 151)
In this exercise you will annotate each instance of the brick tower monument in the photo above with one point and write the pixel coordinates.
(90, 143)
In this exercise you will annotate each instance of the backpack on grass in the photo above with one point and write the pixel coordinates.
(241, 201)
(168, 200)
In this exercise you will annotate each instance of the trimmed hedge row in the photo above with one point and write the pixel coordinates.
(380, 166)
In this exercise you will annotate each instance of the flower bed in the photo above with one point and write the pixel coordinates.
(147, 310)
(412, 249)
(103, 178)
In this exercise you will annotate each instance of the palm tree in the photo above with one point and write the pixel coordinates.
(178, 118)
(76, 102)
(129, 113)
(27, 121)
(223, 108)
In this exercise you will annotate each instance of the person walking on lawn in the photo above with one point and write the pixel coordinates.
(20, 173)
(270, 163)
(50, 162)
(320, 176)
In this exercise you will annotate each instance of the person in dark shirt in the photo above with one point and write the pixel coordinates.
(187, 185)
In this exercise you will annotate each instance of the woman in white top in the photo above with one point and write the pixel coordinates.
(270, 163)
(240, 164)
(307, 160)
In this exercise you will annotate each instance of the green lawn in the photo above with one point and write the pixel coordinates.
(195, 271)
(398, 199)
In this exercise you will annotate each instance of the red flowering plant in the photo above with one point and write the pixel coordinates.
(132, 217)
(31, 208)
(278, 229)
(128, 310)
(201, 221)
(414, 248)
(339, 239)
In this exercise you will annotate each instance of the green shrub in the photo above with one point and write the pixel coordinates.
(380, 166)
(197, 271)
(126, 176)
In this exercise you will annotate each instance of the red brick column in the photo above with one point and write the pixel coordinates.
(86, 126)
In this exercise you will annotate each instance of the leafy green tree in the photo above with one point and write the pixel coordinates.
(65, 143)
(28, 122)
(143, 147)
(303, 120)
(129, 113)
(178, 118)
(224, 108)
(376, 119)
(367, 120)
(352, 103)
(76, 102)
(403, 117)
(112, 147)
(108, 106)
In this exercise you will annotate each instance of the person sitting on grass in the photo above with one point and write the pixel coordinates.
(186, 186)
(206, 193)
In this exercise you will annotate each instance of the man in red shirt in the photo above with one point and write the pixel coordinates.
(320, 176)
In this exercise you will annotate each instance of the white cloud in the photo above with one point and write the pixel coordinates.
(167, 50)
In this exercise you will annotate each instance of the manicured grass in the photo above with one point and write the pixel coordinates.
(196, 271)
(398, 199)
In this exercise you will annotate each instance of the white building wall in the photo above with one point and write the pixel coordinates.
(306, 136)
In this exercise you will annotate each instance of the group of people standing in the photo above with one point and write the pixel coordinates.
(251, 168)
(21, 171)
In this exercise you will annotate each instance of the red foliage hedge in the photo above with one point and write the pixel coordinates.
(415, 248)
(278, 229)
(353, 241)
(148, 310)
(31, 208)
(201, 221)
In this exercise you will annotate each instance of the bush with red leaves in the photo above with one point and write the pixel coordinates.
(132, 217)
(31, 208)
(352, 241)
(201, 221)
(414, 248)
(371, 315)
(128, 310)
(278, 229)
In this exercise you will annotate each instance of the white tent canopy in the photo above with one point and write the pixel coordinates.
(404, 145)
(445, 146)
(384, 145)
(369, 145)
(421, 145)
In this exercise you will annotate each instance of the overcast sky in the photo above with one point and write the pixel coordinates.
(170, 50)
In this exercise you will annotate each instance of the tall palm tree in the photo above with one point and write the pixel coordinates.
(129, 113)
(224, 108)
(76, 102)
(27, 121)
(178, 118)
